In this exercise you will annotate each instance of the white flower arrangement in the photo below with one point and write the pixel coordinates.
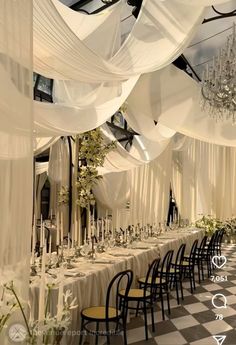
(46, 332)
(211, 224)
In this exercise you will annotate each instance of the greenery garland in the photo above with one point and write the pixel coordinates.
(92, 153)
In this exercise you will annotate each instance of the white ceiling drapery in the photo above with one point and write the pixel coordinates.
(164, 27)
(172, 98)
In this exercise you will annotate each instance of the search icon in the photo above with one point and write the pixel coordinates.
(219, 301)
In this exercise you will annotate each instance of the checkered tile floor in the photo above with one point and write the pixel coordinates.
(194, 321)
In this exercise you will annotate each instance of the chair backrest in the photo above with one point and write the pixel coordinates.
(193, 252)
(220, 236)
(210, 247)
(180, 255)
(151, 275)
(123, 279)
(165, 266)
(203, 244)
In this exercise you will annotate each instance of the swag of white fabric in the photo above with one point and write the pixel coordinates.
(172, 98)
(59, 52)
(142, 151)
(145, 188)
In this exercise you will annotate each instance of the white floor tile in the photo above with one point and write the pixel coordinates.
(204, 341)
(195, 308)
(185, 322)
(213, 287)
(216, 327)
(232, 290)
(203, 297)
(225, 311)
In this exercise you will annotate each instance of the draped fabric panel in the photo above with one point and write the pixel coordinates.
(59, 53)
(58, 174)
(16, 152)
(146, 188)
(43, 143)
(142, 151)
(172, 98)
(40, 181)
(203, 2)
(203, 180)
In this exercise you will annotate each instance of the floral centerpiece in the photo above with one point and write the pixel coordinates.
(209, 223)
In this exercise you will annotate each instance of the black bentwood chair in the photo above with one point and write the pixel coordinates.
(176, 272)
(145, 296)
(162, 282)
(115, 315)
(188, 266)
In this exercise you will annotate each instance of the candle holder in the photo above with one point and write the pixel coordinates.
(33, 270)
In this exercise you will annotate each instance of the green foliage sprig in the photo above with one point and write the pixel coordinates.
(92, 153)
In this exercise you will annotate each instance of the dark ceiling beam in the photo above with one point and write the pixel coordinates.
(221, 15)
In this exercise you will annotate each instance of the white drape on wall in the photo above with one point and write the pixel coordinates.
(39, 183)
(16, 152)
(146, 188)
(58, 174)
(203, 180)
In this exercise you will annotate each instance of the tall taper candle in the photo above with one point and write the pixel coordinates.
(33, 239)
(41, 231)
(102, 230)
(62, 231)
(89, 223)
(41, 315)
(58, 230)
(50, 243)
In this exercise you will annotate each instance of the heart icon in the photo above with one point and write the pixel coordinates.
(219, 261)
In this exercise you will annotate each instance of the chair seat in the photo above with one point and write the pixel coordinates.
(99, 313)
(157, 280)
(135, 293)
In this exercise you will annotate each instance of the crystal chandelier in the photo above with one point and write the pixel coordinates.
(219, 83)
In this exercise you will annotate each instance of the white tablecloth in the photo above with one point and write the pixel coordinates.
(90, 290)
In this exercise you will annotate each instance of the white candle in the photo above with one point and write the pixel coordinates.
(117, 220)
(106, 222)
(62, 232)
(97, 230)
(76, 230)
(85, 235)
(112, 230)
(93, 221)
(33, 239)
(58, 230)
(79, 229)
(89, 224)
(50, 243)
(41, 231)
(51, 215)
(68, 241)
(73, 236)
(102, 230)
(41, 315)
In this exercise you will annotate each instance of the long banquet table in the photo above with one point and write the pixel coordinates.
(90, 289)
